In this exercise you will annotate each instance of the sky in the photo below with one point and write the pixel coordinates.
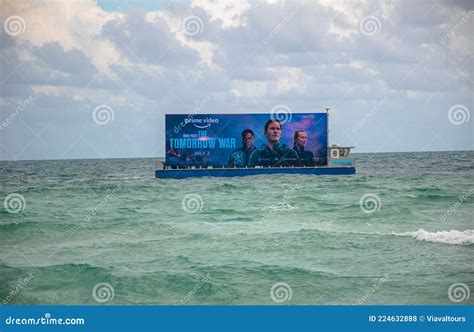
(94, 79)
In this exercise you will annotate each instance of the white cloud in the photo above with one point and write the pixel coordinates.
(247, 56)
(229, 13)
(291, 79)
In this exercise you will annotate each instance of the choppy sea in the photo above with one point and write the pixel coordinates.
(400, 231)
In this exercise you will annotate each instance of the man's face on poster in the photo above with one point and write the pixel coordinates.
(273, 132)
(247, 140)
(302, 139)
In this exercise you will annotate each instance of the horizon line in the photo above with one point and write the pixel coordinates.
(162, 157)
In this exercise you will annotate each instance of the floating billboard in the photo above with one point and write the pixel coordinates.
(246, 140)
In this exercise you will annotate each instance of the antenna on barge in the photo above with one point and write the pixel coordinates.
(328, 130)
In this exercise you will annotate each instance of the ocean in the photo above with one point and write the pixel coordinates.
(400, 231)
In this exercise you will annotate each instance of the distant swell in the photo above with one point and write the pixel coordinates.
(448, 237)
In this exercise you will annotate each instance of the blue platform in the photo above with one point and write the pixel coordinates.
(231, 172)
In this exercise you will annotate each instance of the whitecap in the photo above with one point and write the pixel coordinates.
(283, 207)
(448, 237)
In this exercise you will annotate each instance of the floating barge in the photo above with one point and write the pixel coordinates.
(197, 132)
(339, 163)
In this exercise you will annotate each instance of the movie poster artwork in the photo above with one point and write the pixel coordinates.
(246, 140)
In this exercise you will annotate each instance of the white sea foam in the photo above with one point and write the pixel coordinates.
(449, 237)
(284, 207)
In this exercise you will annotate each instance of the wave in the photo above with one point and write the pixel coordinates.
(224, 187)
(282, 207)
(64, 268)
(14, 225)
(234, 219)
(453, 237)
(221, 211)
(447, 237)
(433, 197)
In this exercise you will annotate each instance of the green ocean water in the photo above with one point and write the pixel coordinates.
(106, 231)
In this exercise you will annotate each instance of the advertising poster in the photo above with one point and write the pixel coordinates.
(246, 140)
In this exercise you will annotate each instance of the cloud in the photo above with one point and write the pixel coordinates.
(143, 42)
(248, 56)
(74, 61)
